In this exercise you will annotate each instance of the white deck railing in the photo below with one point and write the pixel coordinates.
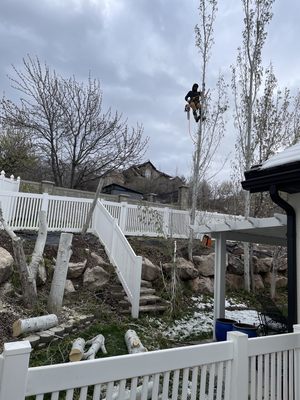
(9, 184)
(121, 254)
(216, 371)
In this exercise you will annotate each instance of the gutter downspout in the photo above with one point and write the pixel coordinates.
(291, 254)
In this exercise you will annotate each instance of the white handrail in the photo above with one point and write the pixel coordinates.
(121, 255)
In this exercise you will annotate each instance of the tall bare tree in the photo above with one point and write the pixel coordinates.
(246, 81)
(210, 131)
(66, 120)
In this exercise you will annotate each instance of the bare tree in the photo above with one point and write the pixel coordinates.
(210, 131)
(66, 119)
(246, 81)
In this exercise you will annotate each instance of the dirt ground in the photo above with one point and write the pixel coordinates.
(158, 250)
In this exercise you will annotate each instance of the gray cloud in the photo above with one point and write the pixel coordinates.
(144, 55)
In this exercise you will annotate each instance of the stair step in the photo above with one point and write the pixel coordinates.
(146, 284)
(155, 308)
(146, 291)
(149, 298)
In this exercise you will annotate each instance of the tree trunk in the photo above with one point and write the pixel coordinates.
(92, 208)
(37, 255)
(34, 324)
(77, 351)
(133, 343)
(56, 295)
(96, 343)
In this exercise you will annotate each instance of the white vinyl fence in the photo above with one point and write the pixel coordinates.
(69, 213)
(238, 369)
(9, 184)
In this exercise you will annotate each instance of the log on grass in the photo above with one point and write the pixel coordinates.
(98, 342)
(56, 295)
(77, 351)
(133, 342)
(34, 324)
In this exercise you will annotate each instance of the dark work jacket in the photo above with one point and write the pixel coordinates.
(193, 96)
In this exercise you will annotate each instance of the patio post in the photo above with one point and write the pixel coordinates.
(220, 269)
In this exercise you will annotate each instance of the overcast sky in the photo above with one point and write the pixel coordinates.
(143, 53)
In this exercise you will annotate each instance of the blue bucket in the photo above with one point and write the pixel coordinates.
(223, 325)
(250, 330)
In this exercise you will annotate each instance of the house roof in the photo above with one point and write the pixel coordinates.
(282, 170)
(116, 186)
(256, 230)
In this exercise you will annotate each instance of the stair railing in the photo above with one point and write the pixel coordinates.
(121, 255)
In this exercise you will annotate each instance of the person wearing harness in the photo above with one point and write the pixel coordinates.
(193, 98)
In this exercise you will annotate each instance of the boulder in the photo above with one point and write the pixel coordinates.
(6, 263)
(264, 265)
(281, 281)
(185, 269)
(234, 282)
(7, 289)
(201, 285)
(205, 264)
(258, 282)
(69, 287)
(150, 272)
(95, 278)
(235, 265)
(75, 270)
(282, 264)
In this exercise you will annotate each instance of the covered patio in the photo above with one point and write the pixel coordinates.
(267, 231)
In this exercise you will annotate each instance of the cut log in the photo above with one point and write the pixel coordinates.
(46, 336)
(34, 324)
(56, 295)
(77, 351)
(33, 340)
(96, 343)
(133, 343)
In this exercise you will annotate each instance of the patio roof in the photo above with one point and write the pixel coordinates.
(256, 230)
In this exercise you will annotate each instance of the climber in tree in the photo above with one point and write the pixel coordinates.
(193, 98)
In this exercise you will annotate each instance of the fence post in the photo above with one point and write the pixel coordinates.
(297, 364)
(166, 221)
(13, 370)
(239, 371)
(45, 202)
(137, 287)
(123, 215)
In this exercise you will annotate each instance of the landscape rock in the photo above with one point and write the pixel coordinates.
(6, 289)
(264, 265)
(69, 287)
(235, 265)
(6, 263)
(95, 278)
(282, 264)
(234, 282)
(185, 269)
(281, 281)
(205, 264)
(202, 284)
(75, 270)
(150, 272)
(258, 282)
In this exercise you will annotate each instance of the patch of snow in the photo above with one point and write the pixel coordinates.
(201, 321)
